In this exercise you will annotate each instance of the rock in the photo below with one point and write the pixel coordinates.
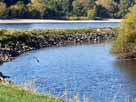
(3, 78)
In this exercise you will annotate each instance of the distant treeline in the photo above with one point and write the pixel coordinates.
(64, 9)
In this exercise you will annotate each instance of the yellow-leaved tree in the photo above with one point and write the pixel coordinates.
(125, 44)
(36, 8)
(3, 10)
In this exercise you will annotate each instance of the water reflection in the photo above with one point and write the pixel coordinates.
(128, 67)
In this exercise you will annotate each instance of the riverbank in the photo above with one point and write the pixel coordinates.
(11, 21)
(12, 93)
(16, 42)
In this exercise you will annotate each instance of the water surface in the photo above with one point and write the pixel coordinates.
(89, 70)
(60, 25)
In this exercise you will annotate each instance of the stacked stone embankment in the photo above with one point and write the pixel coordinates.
(14, 46)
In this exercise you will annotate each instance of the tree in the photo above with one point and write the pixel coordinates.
(80, 7)
(3, 10)
(13, 2)
(17, 10)
(124, 5)
(91, 13)
(108, 4)
(106, 8)
(77, 9)
(70, 7)
(36, 9)
(126, 40)
(57, 8)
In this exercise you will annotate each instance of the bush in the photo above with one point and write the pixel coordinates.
(126, 40)
(3, 10)
(10, 34)
(91, 13)
(17, 10)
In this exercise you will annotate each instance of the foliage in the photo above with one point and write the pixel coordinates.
(108, 4)
(10, 34)
(63, 9)
(80, 7)
(3, 10)
(123, 7)
(36, 9)
(17, 10)
(56, 8)
(108, 8)
(126, 41)
(11, 93)
(91, 13)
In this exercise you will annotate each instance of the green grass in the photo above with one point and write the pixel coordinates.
(12, 34)
(12, 93)
(9, 33)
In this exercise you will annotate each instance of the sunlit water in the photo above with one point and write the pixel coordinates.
(60, 25)
(89, 70)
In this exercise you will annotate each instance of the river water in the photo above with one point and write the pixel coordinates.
(60, 25)
(89, 70)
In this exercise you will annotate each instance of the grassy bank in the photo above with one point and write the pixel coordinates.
(11, 93)
(12, 34)
(6, 35)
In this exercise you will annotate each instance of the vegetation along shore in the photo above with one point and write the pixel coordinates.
(125, 44)
(64, 9)
(12, 93)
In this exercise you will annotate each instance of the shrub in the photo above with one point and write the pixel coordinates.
(10, 34)
(125, 43)
(3, 10)
(91, 13)
(17, 10)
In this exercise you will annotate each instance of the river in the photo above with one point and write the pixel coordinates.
(59, 25)
(89, 70)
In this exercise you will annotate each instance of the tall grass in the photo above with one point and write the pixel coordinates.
(11, 93)
(77, 97)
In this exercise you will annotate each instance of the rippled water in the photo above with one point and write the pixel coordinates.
(89, 70)
(60, 25)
